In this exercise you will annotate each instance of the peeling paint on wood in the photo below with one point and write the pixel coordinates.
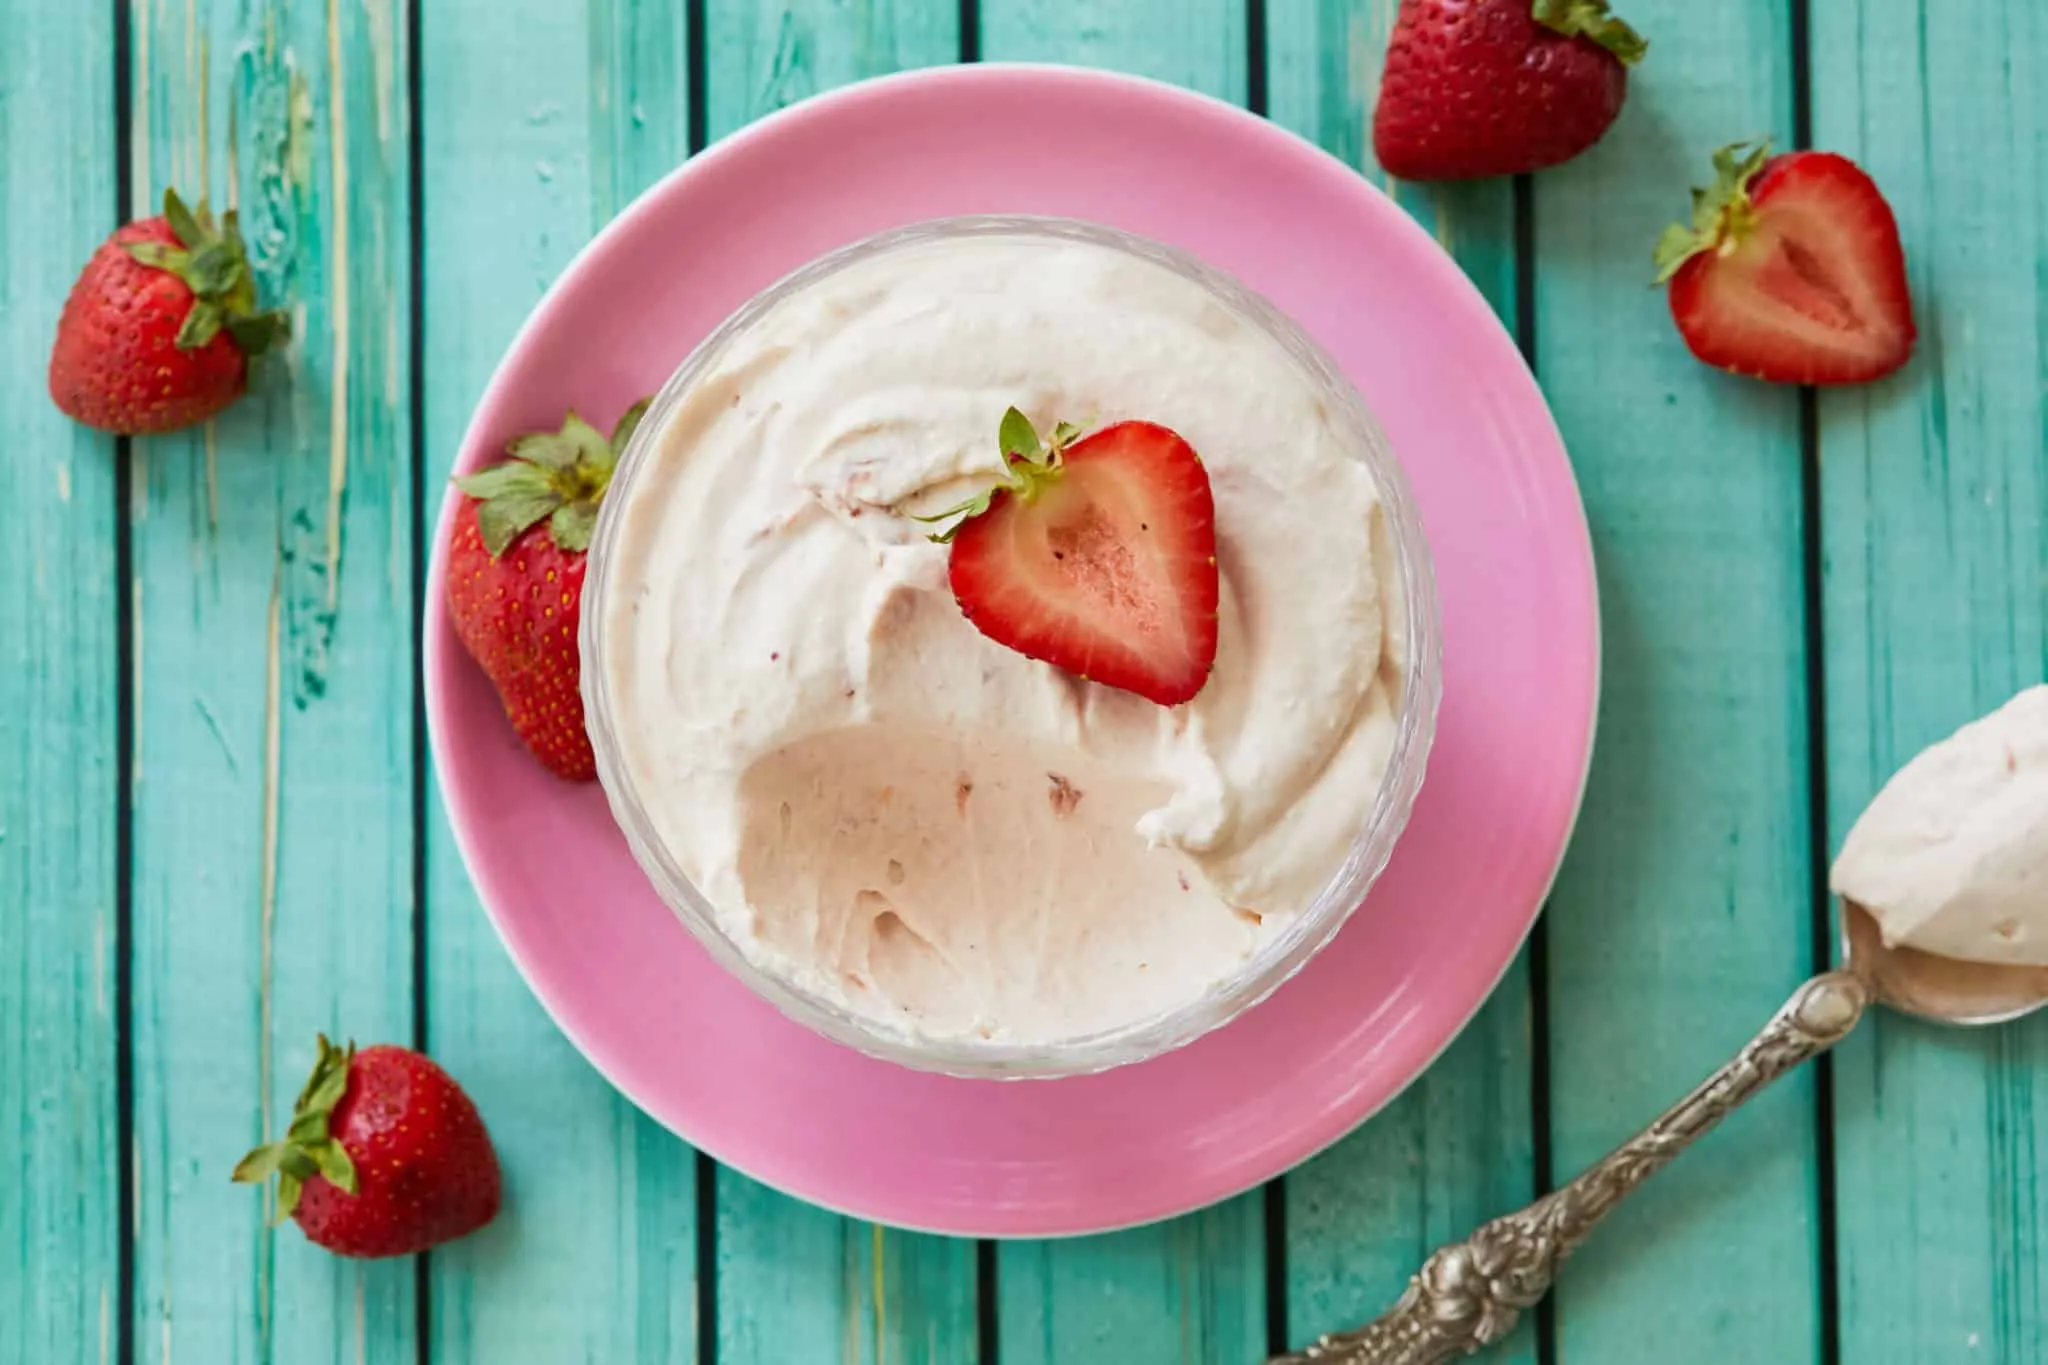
(338, 301)
(60, 1142)
(255, 926)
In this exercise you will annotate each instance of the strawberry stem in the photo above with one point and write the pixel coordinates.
(1030, 466)
(1722, 214)
(560, 476)
(213, 263)
(307, 1148)
(1590, 19)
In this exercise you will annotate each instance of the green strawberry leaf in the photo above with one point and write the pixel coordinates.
(214, 269)
(201, 325)
(503, 519)
(558, 475)
(966, 511)
(261, 1164)
(1029, 466)
(546, 449)
(572, 524)
(1018, 438)
(214, 264)
(288, 1189)
(334, 1163)
(1590, 19)
(159, 255)
(259, 332)
(1721, 212)
(297, 1162)
(1676, 245)
(307, 1150)
(577, 444)
(184, 224)
(322, 1088)
(589, 441)
(628, 423)
(308, 1125)
(512, 478)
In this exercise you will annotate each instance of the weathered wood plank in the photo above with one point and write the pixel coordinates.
(1683, 916)
(273, 674)
(60, 1145)
(1457, 1147)
(1192, 1290)
(795, 1283)
(761, 55)
(1187, 1292)
(1196, 43)
(1934, 526)
(539, 120)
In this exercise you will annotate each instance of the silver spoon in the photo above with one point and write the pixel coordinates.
(1468, 1294)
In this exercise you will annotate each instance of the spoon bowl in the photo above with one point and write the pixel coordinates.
(1943, 990)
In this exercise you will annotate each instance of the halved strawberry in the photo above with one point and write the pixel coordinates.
(1097, 555)
(1792, 270)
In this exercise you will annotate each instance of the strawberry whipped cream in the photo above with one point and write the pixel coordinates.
(899, 816)
(1952, 856)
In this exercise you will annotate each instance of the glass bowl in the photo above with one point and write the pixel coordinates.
(1414, 634)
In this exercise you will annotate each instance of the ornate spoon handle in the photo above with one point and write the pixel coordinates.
(1468, 1294)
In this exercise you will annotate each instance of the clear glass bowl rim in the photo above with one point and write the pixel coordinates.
(1289, 951)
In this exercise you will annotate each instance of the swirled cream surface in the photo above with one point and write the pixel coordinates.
(1952, 856)
(897, 814)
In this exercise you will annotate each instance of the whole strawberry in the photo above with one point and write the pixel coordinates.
(1498, 87)
(385, 1156)
(515, 579)
(159, 330)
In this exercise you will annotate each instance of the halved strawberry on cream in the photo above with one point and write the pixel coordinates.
(1096, 555)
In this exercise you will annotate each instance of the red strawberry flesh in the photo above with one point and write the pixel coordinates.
(1109, 571)
(1792, 272)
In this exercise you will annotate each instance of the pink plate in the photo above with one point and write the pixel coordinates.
(701, 1053)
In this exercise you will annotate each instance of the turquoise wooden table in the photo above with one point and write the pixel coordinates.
(219, 830)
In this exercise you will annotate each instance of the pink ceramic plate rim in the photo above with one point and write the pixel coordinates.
(720, 1068)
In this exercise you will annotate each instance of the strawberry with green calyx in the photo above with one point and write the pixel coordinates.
(1096, 554)
(1498, 87)
(385, 1155)
(1029, 467)
(515, 579)
(159, 330)
(1791, 270)
(308, 1148)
